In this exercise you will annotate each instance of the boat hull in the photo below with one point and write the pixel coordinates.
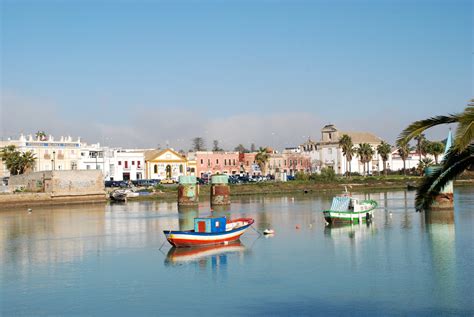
(192, 239)
(348, 216)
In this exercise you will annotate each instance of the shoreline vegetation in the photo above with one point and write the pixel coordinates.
(355, 184)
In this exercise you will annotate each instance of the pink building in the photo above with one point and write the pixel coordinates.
(217, 163)
(288, 163)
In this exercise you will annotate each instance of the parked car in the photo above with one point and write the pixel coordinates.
(290, 178)
(167, 181)
(146, 182)
(122, 184)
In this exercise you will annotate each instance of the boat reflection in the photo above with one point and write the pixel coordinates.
(214, 255)
(351, 231)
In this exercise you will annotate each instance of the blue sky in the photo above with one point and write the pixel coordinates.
(142, 73)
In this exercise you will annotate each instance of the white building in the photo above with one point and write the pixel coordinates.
(327, 152)
(61, 154)
(127, 165)
(165, 164)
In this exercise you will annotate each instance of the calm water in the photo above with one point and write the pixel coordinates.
(105, 260)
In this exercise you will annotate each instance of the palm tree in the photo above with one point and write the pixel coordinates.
(404, 151)
(365, 153)
(27, 162)
(435, 149)
(16, 161)
(261, 158)
(384, 149)
(458, 158)
(41, 135)
(348, 150)
(420, 138)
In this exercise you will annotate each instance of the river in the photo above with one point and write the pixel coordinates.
(101, 260)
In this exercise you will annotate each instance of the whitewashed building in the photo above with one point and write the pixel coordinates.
(127, 165)
(50, 153)
(327, 152)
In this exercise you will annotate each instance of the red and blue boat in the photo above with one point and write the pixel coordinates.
(209, 231)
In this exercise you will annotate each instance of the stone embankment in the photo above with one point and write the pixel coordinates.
(54, 187)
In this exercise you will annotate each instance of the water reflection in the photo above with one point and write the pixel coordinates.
(354, 232)
(186, 217)
(213, 259)
(440, 226)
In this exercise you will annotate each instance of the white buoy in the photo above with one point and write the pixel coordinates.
(268, 231)
(30, 210)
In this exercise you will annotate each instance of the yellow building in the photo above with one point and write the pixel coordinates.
(167, 163)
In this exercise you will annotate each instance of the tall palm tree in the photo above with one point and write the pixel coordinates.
(261, 158)
(435, 149)
(404, 151)
(458, 158)
(365, 152)
(420, 138)
(348, 150)
(384, 149)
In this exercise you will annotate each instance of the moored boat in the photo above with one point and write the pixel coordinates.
(351, 210)
(209, 231)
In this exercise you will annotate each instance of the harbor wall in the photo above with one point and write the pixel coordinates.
(54, 187)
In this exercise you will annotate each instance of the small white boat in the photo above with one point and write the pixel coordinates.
(122, 194)
(268, 231)
(348, 209)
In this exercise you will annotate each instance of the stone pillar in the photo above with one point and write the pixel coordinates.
(445, 199)
(188, 191)
(220, 190)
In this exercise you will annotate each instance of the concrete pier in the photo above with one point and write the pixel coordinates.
(220, 190)
(188, 191)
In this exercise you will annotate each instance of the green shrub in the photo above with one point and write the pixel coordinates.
(328, 174)
(300, 176)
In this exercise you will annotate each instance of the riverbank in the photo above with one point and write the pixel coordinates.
(169, 192)
(293, 187)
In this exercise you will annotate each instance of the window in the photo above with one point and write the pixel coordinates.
(139, 163)
(133, 162)
(225, 162)
(217, 161)
(202, 161)
(233, 162)
(285, 162)
(155, 169)
(126, 164)
(88, 167)
(120, 162)
(181, 168)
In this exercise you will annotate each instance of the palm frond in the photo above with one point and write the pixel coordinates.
(465, 130)
(453, 164)
(417, 127)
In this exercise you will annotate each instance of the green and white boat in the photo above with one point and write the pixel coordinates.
(347, 209)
